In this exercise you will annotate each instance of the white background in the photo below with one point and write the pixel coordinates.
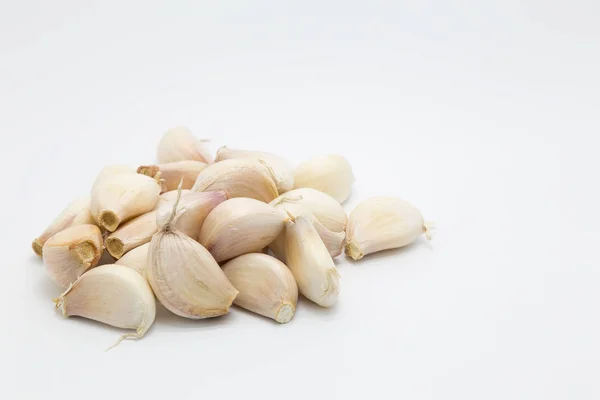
(483, 114)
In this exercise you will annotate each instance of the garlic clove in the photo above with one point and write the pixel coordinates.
(184, 275)
(71, 252)
(171, 195)
(239, 178)
(266, 286)
(179, 144)
(331, 174)
(76, 213)
(112, 170)
(114, 295)
(172, 173)
(239, 226)
(132, 234)
(382, 223)
(136, 259)
(119, 198)
(283, 173)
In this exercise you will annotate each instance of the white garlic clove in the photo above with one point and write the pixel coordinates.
(132, 234)
(136, 259)
(119, 198)
(76, 213)
(239, 226)
(71, 252)
(239, 178)
(171, 195)
(184, 276)
(266, 286)
(179, 144)
(331, 174)
(112, 170)
(283, 173)
(114, 295)
(382, 223)
(310, 262)
(172, 173)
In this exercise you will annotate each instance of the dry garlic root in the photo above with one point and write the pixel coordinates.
(283, 173)
(178, 144)
(331, 174)
(239, 178)
(266, 286)
(71, 252)
(136, 259)
(76, 213)
(383, 223)
(172, 173)
(114, 295)
(132, 234)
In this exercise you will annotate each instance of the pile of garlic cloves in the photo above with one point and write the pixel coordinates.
(199, 234)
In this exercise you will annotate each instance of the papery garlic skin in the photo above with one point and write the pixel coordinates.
(76, 213)
(310, 263)
(114, 295)
(331, 174)
(136, 259)
(179, 144)
(239, 226)
(172, 173)
(266, 286)
(239, 178)
(132, 234)
(71, 252)
(283, 172)
(112, 170)
(382, 223)
(119, 198)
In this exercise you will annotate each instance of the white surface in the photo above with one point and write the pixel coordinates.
(483, 114)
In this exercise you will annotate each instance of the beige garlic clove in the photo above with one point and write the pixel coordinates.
(171, 195)
(136, 259)
(71, 252)
(179, 144)
(331, 174)
(283, 173)
(132, 234)
(76, 213)
(266, 286)
(239, 178)
(310, 263)
(114, 295)
(239, 226)
(172, 173)
(119, 198)
(112, 170)
(184, 275)
(383, 223)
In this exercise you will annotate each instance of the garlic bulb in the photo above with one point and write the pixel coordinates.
(239, 226)
(185, 278)
(132, 234)
(112, 170)
(69, 253)
(136, 259)
(114, 295)
(382, 223)
(76, 213)
(266, 286)
(283, 173)
(178, 144)
(331, 174)
(121, 197)
(310, 262)
(239, 178)
(172, 173)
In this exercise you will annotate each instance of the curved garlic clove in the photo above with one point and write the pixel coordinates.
(71, 252)
(121, 197)
(172, 173)
(238, 178)
(266, 286)
(310, 263)
(132, 234)
(171, 195)
(331, 174)
(76, 213)
(239, 226)
(136, 259)
(382, 223)
(112, 170)
(178, 144)
(114, 295)
(283, 173)
(184, 276)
